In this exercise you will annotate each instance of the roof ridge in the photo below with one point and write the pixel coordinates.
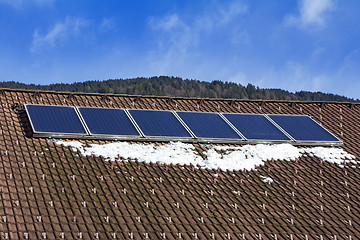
(179, 98)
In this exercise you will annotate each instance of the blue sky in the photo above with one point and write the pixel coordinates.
(294, 45)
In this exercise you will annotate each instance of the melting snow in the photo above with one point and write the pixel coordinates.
(335, 155)
(267, 179)
(231, 158)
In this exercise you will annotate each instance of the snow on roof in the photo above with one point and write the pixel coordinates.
(267, 179)
(225, 158)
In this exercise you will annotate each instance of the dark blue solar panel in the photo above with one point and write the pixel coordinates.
(208, 125)
(159, 123)
(108, 121)
(54, 119)
(255, 127)
(303, 128)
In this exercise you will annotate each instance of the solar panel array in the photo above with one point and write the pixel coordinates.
(135, 124)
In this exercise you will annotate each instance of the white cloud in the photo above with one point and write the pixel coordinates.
(20, 3)
(107, 24)
(178, 35)
(166, 23)
(230, 12)
(239, 77)
(240, 37)
(294, 76)
(219, 15)
(58, 34)
(312, 14)
(351, 61)
(175, 37)
(348, 74)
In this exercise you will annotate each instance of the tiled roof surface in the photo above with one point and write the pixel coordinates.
(49, 191)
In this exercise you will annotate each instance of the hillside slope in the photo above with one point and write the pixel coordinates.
(177, 87)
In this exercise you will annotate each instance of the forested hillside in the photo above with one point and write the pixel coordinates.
(177, 87)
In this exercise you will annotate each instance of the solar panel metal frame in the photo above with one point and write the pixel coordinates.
(55, 134)
(214, 140)
(109, 136)
(163, 138)
(256, 141)
(307, 142)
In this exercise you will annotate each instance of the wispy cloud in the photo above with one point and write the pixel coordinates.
(166, 23)
(230, 12)
(312, 14)
(239, 36)
(107, 24)
(239, 77)
(349, 73)
(175, 37)
(295, 76)
(58, 34)
(21, 3)
(179, 35)
(214, 17)
(219, 15)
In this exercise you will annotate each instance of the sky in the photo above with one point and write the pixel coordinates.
(311, 45)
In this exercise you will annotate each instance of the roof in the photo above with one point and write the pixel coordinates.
(50, 190)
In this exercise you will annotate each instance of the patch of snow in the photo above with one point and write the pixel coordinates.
(335, 155)
(249, 156)
(232, 158)
(74, 144)
(175, 152)
(267, 179)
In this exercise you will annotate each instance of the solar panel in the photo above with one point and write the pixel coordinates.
(303, 128)
(108, 121)
(255, 127)
(208, 125)
(54, 120)
(155, 123)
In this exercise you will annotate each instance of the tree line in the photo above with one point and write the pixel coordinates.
(178, 87)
